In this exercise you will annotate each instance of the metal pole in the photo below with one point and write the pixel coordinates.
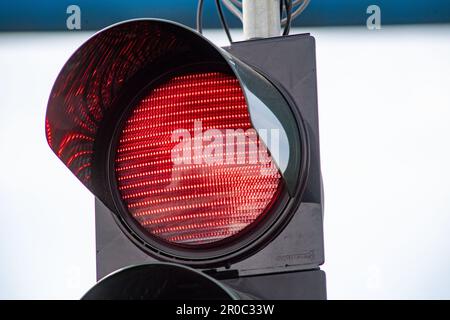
(261, 18)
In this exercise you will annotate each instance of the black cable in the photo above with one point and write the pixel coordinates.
(199, 16)
(223, 21)
(281, 9)
(288, 6)
(199, 19)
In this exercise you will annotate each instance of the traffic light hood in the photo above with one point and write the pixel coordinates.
(110, 69)
(161, 281)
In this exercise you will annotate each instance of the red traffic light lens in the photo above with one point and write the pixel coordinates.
(189, 166)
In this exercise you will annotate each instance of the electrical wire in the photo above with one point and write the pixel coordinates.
(223, 21)
(232, 6)
(288, 8)
(199, 19)
(303, 5)
(301, 8)
(237, 3)
(298, 6)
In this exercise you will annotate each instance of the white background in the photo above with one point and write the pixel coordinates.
(384, 100)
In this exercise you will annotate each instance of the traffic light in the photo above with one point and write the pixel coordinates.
(203, 160)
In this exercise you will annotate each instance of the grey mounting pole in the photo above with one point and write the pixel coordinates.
(261, 18)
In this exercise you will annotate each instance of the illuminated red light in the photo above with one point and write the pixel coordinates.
(196, 202)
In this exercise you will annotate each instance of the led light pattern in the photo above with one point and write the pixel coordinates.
(201, 197)
(89, 83)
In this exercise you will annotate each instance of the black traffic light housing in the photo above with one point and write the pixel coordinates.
(285, 67)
